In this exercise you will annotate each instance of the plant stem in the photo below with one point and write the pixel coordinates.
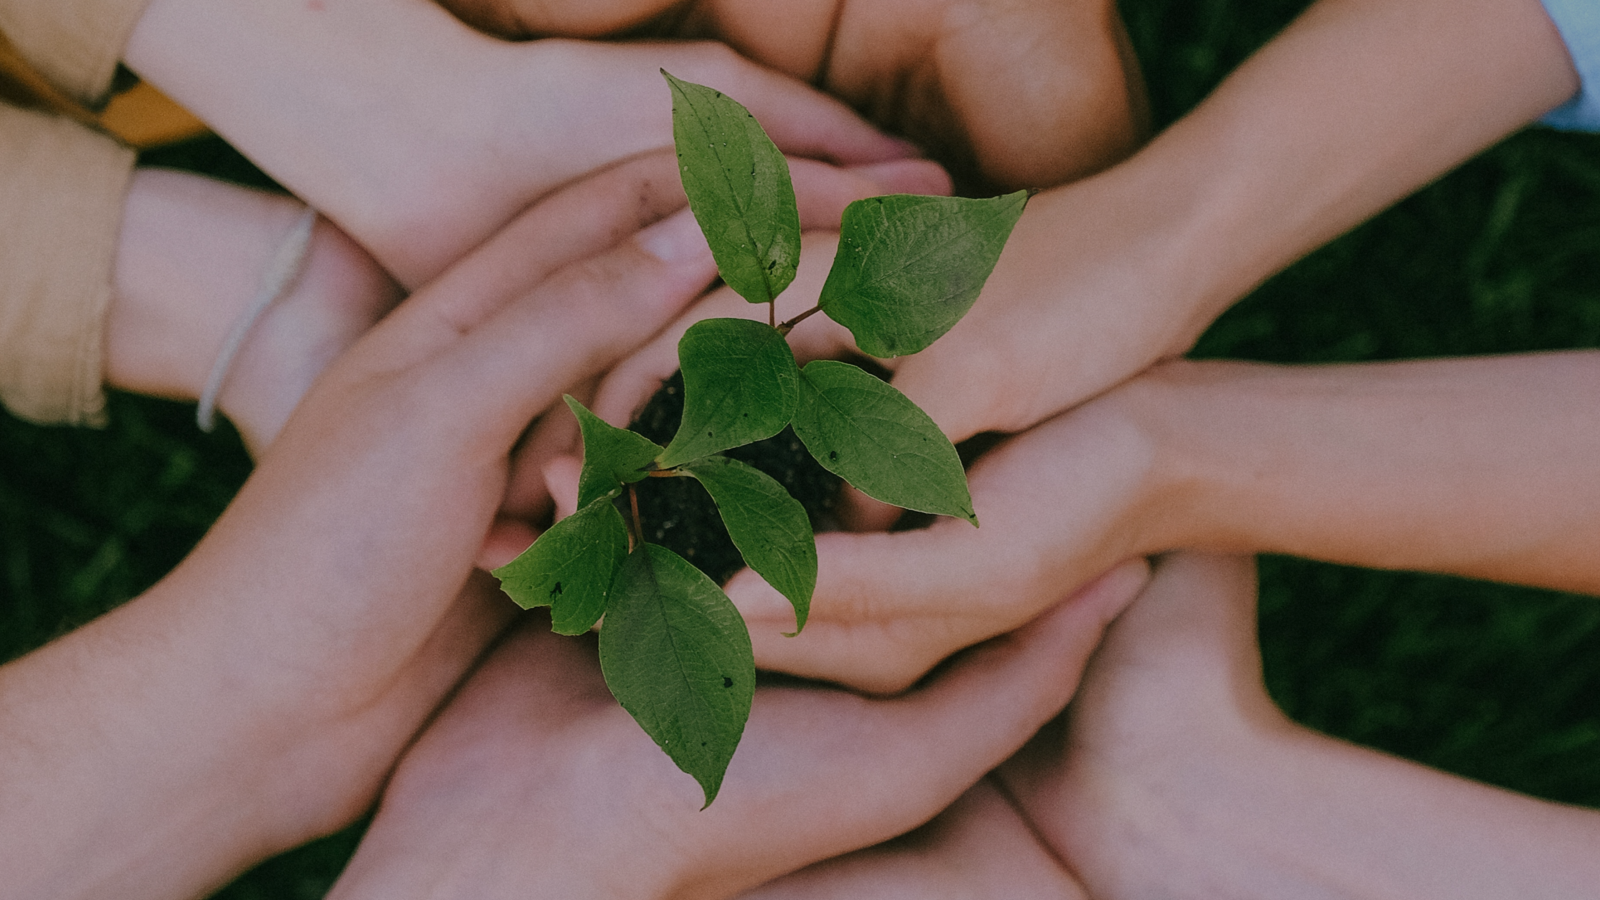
(772, 312)
(636, 528)
(788, 326)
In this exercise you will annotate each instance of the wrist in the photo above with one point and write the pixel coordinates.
(191, 257)
(341, 125)
(1172, 406)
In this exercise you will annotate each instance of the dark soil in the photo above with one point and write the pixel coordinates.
(678, 514)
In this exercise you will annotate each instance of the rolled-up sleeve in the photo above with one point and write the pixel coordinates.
(1579, 24)
(62, 191)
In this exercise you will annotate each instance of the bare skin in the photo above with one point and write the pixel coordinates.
(1073, 97)
(535, 783)
(192, 254)
(1472, 467)
(421, 137)
(1175, 776)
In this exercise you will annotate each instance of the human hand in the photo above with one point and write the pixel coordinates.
(1059, 505)
(420, 137)
(534, 743)
(1170, 729)
(1007, 93)
(979, 848)
(258, 695)
(822, 193)
(1174, 774)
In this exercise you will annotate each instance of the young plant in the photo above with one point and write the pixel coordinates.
(673, 648)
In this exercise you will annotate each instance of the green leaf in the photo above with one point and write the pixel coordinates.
(739, 188)
(909, 267)
(570, 568)
(740, 385)
(676, 655)
(866, 432)
(612, 456)
(769, 527)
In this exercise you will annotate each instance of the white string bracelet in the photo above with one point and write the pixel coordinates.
(278, 279)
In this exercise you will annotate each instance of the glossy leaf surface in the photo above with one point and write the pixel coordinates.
(739, 188)
(571, 567)
(740, 385)
(909, 267)
(770, 527)
(866, 432)
(676, 655)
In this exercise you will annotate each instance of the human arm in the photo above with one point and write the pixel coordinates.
(1175, 775)
(192, 255)
(534, 781)
(419, 136)
(1474, 467)
(1356, 104)
(979, 848)
(1008, 95)
(257, 696)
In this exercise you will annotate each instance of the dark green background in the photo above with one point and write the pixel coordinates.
(1497, 683)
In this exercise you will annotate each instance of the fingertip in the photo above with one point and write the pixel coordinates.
(677, 240)
(506, 540)
(908, 176)
(858, 512)
(758, 602)
(1113, 591)
(561, 474)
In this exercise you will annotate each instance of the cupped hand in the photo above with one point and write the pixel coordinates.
(533, 781)
(421, 137)
(980, 848)
(1011, 93)
(290, 657)
(1058, 506)
(1145, 783)
(822, 192)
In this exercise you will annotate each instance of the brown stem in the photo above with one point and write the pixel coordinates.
(788, 326)
(636, 529)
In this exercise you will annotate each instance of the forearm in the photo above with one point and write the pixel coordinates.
(117, 778)
(192, 255)
(1475, 467)
(1357, 104)
(1387, 827)
(324, 97)
(165, 747)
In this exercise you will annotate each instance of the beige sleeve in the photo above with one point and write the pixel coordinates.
(74, 44)
(62, 190)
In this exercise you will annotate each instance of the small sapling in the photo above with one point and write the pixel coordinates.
(673, 648)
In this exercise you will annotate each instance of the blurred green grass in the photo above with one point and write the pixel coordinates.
(1496, 683)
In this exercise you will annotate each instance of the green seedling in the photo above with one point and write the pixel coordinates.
(673, 648)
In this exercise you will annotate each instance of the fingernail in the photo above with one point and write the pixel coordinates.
(675, 239)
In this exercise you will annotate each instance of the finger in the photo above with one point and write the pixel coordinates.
(554, 434)
(800, 120)
(908, 176)
(561, 475)
(945, 735)
(888, 607)
(577, 323)
(858, 512)
(977, 848)
(572, 224)
(591, 19)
